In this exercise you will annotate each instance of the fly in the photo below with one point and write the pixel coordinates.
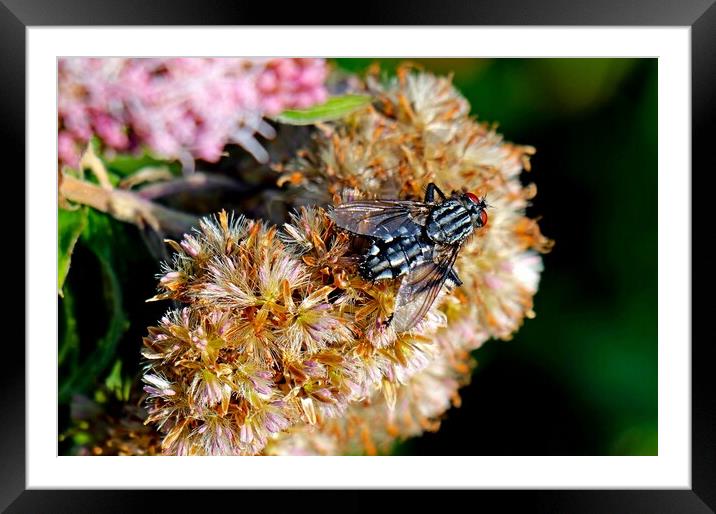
(418, 241)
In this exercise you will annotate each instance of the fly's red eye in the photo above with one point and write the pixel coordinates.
(473, 197)
(483, 217)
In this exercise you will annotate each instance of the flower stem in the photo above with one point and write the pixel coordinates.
(194, 182)
(126, 206)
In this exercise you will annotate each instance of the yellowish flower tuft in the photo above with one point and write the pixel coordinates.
(281, 348)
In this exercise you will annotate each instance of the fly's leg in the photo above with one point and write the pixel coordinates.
(430, 193)
(452, 277)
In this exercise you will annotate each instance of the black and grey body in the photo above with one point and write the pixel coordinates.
(415, 240)
(394, 258)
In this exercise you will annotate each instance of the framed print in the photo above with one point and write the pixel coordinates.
(446, 256)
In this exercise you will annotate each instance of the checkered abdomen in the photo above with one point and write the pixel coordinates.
(391, 259)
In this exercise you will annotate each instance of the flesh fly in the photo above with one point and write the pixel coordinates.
(418, 241)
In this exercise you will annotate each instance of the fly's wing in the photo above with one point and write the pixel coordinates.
(419, 289)
(384, 219)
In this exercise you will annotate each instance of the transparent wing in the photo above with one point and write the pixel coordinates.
(419, 289)
(384, 219)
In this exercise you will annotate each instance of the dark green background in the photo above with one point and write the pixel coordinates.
(580, 378)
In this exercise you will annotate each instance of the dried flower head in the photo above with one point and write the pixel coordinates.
(419, 131)
(281, 347)
(179, 108)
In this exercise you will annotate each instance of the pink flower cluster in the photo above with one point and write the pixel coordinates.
(179, 108)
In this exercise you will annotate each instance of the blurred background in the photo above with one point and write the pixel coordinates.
(580, 378)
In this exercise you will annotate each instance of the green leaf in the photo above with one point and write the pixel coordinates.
(117, 383)
(126, 389)
(102, 235)
(69, 227)
(114, 381)
(335, 108)
(69, 337)
(123, 165)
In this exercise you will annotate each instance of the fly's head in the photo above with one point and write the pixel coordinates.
(477, 207)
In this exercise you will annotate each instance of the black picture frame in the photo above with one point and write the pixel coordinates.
(700, 15)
